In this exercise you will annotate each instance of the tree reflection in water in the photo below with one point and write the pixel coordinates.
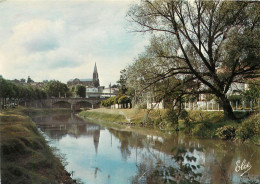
(185, 163)
(183, 168)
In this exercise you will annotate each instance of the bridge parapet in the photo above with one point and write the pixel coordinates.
(76, 100)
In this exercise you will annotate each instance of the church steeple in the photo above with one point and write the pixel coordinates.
(95, 76)
(95, 68)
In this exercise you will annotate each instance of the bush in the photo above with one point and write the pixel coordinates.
(142, 106)
(187, 126)
(201, 130)
(147, 120)
(226, 132)
(171, 116)
(249, 128)
(184, 114)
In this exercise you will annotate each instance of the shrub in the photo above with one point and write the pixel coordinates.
(249, 128)
(226, 132)
(187, 126)
(142, 106)
(147, 120)
(171, 116)
(201, 130)
(184, 114)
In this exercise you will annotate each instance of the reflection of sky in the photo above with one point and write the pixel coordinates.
(108, 162)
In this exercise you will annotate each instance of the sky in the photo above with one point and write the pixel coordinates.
(63, 39)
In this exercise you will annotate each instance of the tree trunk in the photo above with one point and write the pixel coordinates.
(228, 111)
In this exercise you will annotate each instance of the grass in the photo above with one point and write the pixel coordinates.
(25, 155)
(119, 119)
(122, 115)
(202, 124)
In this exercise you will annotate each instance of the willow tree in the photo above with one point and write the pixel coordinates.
(213, 43)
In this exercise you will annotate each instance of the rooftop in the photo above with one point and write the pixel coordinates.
(82, 80)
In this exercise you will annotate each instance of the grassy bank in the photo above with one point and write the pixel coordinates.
(25, 155)
(114, 120)
(205, 124)
(108, 118)
(202, 124)
(134, 116)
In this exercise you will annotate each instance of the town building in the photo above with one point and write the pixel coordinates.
(94, 82)
(108, 92)
(92, 92)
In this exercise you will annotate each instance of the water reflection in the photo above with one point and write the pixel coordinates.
(104, 155)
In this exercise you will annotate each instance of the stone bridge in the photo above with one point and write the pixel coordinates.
(75, 103)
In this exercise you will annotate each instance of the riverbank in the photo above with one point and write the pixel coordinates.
(25, 154)
(201, 124)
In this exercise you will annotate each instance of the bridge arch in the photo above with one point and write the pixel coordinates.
(83, 104)
(61, 104)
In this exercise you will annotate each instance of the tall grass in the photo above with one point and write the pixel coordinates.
(25, 155)
(119, 118)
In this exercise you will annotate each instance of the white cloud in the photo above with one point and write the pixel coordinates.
(63, 40)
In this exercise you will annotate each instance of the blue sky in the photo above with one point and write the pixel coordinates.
(63, 39)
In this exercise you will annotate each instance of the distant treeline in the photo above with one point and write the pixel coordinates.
(10, 91)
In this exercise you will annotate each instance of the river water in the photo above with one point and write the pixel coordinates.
(101, 155)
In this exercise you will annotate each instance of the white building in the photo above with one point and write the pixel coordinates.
(108, 92)
(92, 92)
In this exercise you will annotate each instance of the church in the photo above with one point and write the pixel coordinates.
(86, 82)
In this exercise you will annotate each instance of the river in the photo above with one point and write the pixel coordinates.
(102, 155)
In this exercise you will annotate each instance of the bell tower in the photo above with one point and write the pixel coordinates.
(95, 77)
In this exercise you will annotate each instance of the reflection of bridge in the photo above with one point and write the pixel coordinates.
(58, 126)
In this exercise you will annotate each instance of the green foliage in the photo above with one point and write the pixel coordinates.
(115, 99)
(12, 90)
(56, 88)
(123, 78)
(130, 91)
(171, 116)
(187, 126)
(174, 117)
(191, 47)
(184, 114)
(147, 120)
(201, 130)
(118, 99)
(253, 93)
(124, 99)
(81, 91)
(249, 128)
(235, 98)
(226, 132)
(103, 116)
(142, 105)
(108, 102)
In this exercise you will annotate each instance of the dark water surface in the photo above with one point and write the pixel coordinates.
(100, 155)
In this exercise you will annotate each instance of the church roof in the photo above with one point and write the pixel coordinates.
(82, 80)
